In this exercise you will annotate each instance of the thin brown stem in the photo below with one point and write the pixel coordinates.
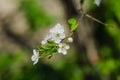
(94, 19)
(70, 34)
(81, 11)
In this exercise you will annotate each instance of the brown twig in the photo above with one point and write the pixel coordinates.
(94, 19)
(82, 13)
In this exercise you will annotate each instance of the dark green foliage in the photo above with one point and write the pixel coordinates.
(47, 50)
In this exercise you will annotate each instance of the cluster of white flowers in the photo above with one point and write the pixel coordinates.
(57, 35)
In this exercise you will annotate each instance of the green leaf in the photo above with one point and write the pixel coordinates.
(73, 24)
(43, 55)
(72, 21)
(53, 49)
(44, 47)
(50, 42)
(73, 27)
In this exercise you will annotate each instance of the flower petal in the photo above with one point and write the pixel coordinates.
(57, 40)
(35, 62)
(43, 42)
(97, 2)
(60, 44)
(34, 51)
(64, 52)
(59, 50)
(62, 35)
(33, 58)
(57, 29)
(67, 47)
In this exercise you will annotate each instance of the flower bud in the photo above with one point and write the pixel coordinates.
(70, 39)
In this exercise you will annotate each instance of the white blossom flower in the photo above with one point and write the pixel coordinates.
(70, 39)
(57, 33)
(35, 56)
(97, 2)
(63, 48)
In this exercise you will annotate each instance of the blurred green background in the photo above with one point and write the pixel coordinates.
(24, 23)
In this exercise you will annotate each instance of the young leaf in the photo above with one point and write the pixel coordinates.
(73, 27)
(72, 21)
(53, 49)
(73, 24)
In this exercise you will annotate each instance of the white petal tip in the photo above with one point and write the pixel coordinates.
(97, 2)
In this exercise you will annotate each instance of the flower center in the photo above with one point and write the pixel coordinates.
(57, 35)
(63, 47)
